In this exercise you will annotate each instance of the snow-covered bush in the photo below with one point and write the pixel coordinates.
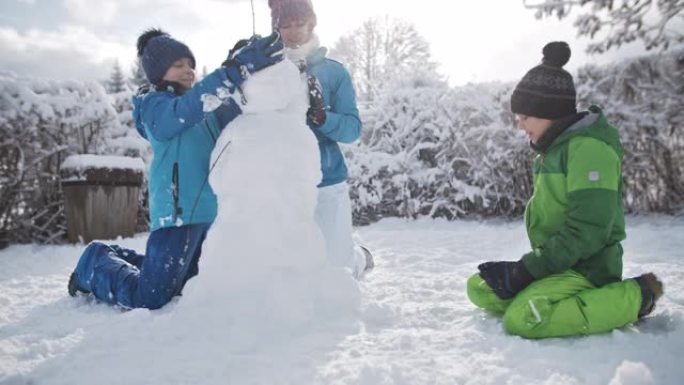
(426, 149)
(41, 123)
(644, 99)
(454, 152)
(127, 142)
(439, 152)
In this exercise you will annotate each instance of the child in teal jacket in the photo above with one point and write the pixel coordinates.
(182, 204)
(334, 118)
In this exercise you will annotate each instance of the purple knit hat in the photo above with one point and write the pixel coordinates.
(286, 11)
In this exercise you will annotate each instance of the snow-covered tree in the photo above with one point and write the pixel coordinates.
(643, 98)
(138, 77)
(117, 82)
(656, 23)
(384, 52)
(441, 152)
(41, 123)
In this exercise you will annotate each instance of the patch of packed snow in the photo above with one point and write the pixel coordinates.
(416, 325)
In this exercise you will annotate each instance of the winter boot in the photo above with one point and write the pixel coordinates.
(73, 285)
(651, 291)
(370, 263)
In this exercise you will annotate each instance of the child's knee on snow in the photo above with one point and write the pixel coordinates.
(86, 264)
(157, 300)
(524, 315)
(476, 289)
(482, 296)
(96, 249)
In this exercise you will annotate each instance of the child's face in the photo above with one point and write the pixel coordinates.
(296, 32)
(533, 127)
(181, 72)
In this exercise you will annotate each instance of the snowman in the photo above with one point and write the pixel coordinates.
(264, 256)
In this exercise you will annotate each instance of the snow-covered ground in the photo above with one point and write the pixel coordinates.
(415, 326)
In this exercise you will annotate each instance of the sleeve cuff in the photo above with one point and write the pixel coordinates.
(330, 123)
(234, 75)
(533, 263)
(225, 113)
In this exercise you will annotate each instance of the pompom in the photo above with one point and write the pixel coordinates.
(556, 54)
(147, 36)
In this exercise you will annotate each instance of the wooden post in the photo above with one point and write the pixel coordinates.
(100, 202)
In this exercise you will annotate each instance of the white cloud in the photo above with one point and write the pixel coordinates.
(95, 34)
(69, 52)
(88, 12)
(478, 41)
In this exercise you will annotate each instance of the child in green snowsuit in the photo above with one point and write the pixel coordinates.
(571, 282)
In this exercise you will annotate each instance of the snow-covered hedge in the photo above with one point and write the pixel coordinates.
(41, 123)
(644, 98)
(439, 152)
(450, 153)
(431, 151)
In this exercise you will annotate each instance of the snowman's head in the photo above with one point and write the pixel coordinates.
(274, 88)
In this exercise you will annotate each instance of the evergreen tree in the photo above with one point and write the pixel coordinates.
(138, 74)
(116, 80)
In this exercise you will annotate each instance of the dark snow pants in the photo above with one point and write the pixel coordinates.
(122, 277)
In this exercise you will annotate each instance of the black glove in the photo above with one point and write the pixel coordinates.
(238, 46)
(316, 114)
(250, 56)
(506, 278)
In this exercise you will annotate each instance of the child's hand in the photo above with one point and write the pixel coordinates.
(237, 47)
(507, 279)
(250, 56)
(316, 113)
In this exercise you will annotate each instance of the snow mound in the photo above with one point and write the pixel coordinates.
(632, 373)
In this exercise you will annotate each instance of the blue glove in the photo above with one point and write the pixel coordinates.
(507, 279)
(316, 114)
(250, 56)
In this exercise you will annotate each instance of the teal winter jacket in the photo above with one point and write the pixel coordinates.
(182, 138)
(342, 122)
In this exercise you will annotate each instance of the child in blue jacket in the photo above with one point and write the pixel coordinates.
(334, 118)
(169, 114)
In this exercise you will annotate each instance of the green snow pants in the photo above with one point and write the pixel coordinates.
(561, 305)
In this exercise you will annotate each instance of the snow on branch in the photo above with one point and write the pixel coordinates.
(658, 24)
(440, 152)
(41, 123)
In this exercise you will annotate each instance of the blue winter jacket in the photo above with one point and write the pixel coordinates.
(182, 138)
(342, 123)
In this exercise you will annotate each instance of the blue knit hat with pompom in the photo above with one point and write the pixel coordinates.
(157, 51)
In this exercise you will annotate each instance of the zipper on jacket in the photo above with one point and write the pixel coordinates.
(211, 134)
(175, 191)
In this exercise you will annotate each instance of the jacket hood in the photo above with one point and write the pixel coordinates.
(593, 125)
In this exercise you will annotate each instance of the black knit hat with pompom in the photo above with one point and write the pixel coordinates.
(547, 91)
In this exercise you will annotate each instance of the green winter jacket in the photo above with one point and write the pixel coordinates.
(575, 218)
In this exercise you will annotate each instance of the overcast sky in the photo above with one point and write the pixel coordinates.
(476, 40)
